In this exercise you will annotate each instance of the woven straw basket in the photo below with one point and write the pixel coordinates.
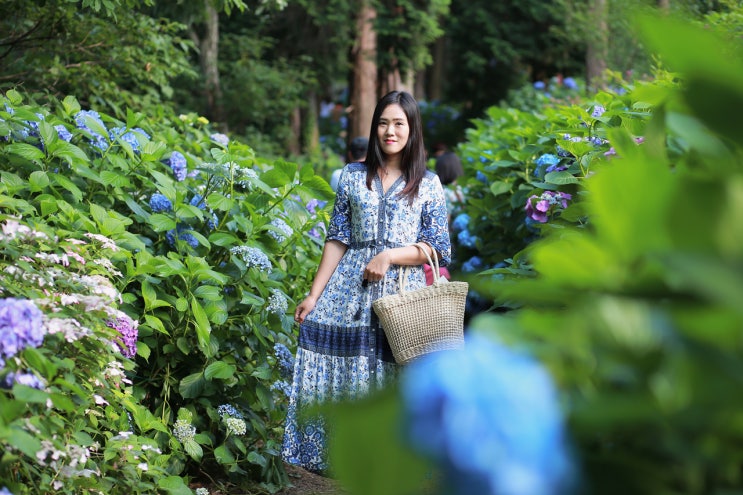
(425, 320)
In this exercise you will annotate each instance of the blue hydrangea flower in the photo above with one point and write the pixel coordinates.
(96, 139)
(228, 410)
(282, 386)
(63, 133)
(570, 83)
(128, 137)
(472, 265)
(461, 222)
(212, 220)
(466, 239)
(481, 177)
(539, 85)
(547, 159)
(277, 303)
(253, 257)
(598, 111)
(285, 360)
(177, 163)
(187, 237)
(5, 491)
(490, 418)
(21, 326)
(220, 138)
(159, 203)
(284, 231)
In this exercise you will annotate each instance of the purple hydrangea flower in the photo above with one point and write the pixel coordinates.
(127, 329)
(490, 418)
(21, 326)
(159, 203)
(540, 207)
(27, 379)
(598, 111)
(177, 163)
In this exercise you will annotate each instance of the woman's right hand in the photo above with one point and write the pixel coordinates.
(304, 308)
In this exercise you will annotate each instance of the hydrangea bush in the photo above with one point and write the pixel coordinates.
(69, 420)
(214, 245)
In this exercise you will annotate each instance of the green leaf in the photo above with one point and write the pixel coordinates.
(21, 440)
(220, 202)
(223, 455)
(30, 395)
(562, 177)
(174, 485)
(27, 151)
(498, 188)
(255, 458)
(223, 239)
(68, 185)
(14, 97)
(220, 370)
(203, 327)
(38, 180)
(161, 223)
(361, 431)
(192, 385)
(193, 449)
(116, 179)
(69, 152)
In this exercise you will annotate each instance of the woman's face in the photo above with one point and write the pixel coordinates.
(393, 130)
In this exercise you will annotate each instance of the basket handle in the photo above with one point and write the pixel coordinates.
(403, 274)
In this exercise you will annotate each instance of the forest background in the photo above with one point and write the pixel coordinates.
(262, 70)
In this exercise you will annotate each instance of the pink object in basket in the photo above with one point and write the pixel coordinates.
(429, 273)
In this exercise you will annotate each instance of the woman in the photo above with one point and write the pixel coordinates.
(382, 207)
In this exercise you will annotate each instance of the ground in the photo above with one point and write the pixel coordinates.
(303, 483)
(306, 483)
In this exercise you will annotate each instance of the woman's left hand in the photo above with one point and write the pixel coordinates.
(377, 268)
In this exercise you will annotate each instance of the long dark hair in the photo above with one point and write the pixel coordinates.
(413, 162)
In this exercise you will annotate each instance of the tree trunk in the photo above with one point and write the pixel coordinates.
(436, 72)
(293, 145)
(597, 50)
(664, 5)
(311, 129)
(364, 96)
(209, 55)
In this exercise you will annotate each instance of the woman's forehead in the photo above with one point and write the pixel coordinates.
(393, 112)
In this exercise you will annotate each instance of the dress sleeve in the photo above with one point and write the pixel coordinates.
(435, 221)
(339, 228)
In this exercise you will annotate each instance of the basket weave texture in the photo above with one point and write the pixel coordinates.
(425, 320)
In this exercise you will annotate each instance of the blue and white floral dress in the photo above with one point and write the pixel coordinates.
(342, 352)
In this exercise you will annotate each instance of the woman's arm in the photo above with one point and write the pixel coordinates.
(332, 253)
(407, 255)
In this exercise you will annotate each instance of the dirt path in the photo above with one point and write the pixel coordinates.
(306, 483)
